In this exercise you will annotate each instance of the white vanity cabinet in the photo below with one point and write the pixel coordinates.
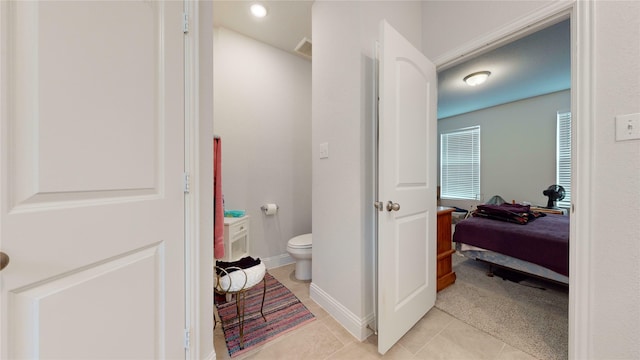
(236, 238)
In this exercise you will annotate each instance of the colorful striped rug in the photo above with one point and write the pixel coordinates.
(283, 310)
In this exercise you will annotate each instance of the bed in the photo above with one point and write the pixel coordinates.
(539, 247)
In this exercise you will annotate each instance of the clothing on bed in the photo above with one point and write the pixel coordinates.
(514, 213)
(544, 242)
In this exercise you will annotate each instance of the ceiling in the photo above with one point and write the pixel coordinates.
(287, 22)
(534, 65)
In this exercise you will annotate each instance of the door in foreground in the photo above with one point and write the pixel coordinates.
(406, 187)
(92, 202)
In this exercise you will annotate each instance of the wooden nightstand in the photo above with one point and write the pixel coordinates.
(445, 274)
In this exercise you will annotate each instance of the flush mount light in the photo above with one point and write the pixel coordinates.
(477, 78)
(258, 10)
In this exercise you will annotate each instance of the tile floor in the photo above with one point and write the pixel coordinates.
(436, 336)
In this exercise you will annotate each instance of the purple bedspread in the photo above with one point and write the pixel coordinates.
(544, 241)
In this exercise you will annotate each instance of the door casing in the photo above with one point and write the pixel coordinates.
(581, 14)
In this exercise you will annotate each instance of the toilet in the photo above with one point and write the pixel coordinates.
(299, 248)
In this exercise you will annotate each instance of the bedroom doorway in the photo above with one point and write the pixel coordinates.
(516, 109)
(483, 107)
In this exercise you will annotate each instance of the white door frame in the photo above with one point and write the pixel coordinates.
(198, 155)
(191, 203)
(582, 14)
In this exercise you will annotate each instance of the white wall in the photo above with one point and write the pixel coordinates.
(201, 277)
(262, 112)
(344, 34)
(462, 21)
(615, 288)
(517, 146)
(613, 315)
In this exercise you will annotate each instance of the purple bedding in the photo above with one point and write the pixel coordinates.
(544, 241)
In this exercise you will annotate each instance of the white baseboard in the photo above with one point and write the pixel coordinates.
(211, 356)
(352, 323)
(277, 261)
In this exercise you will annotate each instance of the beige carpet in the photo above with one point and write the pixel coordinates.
(520, 314)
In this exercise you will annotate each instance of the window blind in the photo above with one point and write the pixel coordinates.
(563, 157)
(460, 164)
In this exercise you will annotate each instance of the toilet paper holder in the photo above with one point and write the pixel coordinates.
(266, 207)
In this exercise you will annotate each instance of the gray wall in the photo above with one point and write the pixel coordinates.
(517, 147)
(262, 111)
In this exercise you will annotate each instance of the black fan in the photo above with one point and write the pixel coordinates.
(555, 193)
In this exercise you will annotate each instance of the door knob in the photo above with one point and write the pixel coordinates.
(4, 260)
(391, 206)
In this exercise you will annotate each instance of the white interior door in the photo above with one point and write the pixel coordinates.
(92, 202)
(406, 187)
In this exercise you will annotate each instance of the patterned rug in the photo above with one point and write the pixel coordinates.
(283, 310)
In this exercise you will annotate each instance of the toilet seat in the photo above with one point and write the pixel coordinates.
(300, 242)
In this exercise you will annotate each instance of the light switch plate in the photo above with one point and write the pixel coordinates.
(324, 150)
(628, 127)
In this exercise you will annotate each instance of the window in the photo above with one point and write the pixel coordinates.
(460, 164)
(563, 157)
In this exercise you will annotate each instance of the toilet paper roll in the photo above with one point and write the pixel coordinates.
(270, 209)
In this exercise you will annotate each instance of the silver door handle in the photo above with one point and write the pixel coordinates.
(4, 260)
(391, 206)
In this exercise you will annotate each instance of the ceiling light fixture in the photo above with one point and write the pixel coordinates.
(477, 78)
(258, 10)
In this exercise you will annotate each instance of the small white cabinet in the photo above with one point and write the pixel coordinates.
(236, 238)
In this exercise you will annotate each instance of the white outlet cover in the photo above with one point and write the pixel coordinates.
(628, 127)
(324, 150)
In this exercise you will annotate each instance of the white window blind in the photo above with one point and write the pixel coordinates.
(563, 157)
(460, 164)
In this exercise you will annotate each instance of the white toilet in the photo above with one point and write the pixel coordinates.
(299, 248)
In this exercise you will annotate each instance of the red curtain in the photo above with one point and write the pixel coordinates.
(218, 209)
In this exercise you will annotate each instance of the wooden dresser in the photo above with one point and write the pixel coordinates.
(445, 274)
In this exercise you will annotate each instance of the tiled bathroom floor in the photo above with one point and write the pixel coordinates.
(436, 336)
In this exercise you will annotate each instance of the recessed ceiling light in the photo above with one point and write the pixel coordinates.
(477, 78)
(258, 10)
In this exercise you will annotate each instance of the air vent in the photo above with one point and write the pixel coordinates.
(304, 48)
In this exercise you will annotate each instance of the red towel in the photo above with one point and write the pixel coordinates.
(218, 210)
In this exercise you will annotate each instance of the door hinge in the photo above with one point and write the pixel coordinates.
(185, 23)
(187, 182)
(187, 339)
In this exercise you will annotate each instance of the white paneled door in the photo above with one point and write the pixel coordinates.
(92, 202)
(406, 187)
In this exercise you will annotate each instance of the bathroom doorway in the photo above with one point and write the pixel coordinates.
(262, 113)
